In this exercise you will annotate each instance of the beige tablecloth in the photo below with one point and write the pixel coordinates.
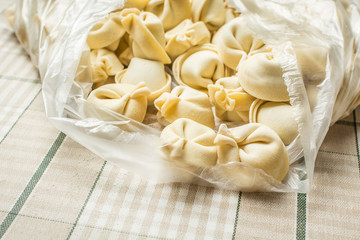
(53, 188)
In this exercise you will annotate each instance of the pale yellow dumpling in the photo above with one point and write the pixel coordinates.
(184, 36)
(126, 99)
(236, 41)
(146, 33)
(199, 67)
(184, 102)
(189, 144)
(276, 115)
(253, 144)
(211, 12)
(104, 64)
(262, 77)
(171, 12)
(231, 102)
(152, 73)
(107, 32)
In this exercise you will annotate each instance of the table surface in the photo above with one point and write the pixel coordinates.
(53, 188)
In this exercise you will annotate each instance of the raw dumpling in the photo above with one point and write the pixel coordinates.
(262, 77)
(211, 12)
(152, 73)
(126, 99)
(147, 34)
(199, 67)
(184, 36)
(104, 64)
(189, 144)
(184, 102)
(253, 144)
(276, 115)
(139, 4)
(171, 12)
(231, 102)
(106, 32)
(235, 41)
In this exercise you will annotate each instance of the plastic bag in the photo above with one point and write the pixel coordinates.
(54, 34)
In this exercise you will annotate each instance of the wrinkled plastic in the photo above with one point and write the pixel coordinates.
(54, 34)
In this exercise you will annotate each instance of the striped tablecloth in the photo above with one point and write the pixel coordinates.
(53, 188)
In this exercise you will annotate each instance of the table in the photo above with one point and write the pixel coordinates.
(53, 188)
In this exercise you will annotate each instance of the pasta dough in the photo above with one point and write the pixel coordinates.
(126, 99)
(231, 102)
(103, 65)
(147, 34)
(253, 144)
(106, 32)
(139, 4)
(124, 51)
(211, 12)
(184, 102)
(199, 67)
(171, 12)
(277, 116)
(236, 41)
(184, 36)
(152, 73)
(189, 144)
(261, 76)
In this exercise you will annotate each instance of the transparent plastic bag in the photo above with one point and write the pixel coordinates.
(54, 34)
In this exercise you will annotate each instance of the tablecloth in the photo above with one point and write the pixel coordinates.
(53, 188)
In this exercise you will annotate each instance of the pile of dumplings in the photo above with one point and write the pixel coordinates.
(222, 76)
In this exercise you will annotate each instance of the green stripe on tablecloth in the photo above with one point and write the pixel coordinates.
(301, 217)
(356, 139)
(31, 185)
(236, 216)
(27, 107)
(32, 80)
(86, 201)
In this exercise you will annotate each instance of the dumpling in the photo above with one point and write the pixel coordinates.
(199, 67)
(255, 145)
(126, 99)
(184, 102)
(312, 63)
(276, 115)
(211, 12)
(106, 32)
(184, 36)
(104, 64)
(124, 51)
(235, 41)
(262, 77)
(189, 144)
(231, 102)
(171, 12)
(147, 35)
(152, 73)
(139, 4)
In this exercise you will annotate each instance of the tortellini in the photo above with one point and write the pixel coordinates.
(236, 41)
(211, 12)
(199, 67)
(126, 99)
(171, 12)
(189, 144)
(184, 102)
(184, 36)
(147, 34)
(262, 77)
(276, 115)
(231, 102)
(104, 64)
(106, 32)
(152, 73)
(253, 144)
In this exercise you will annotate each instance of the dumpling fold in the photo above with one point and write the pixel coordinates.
(104, 64)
